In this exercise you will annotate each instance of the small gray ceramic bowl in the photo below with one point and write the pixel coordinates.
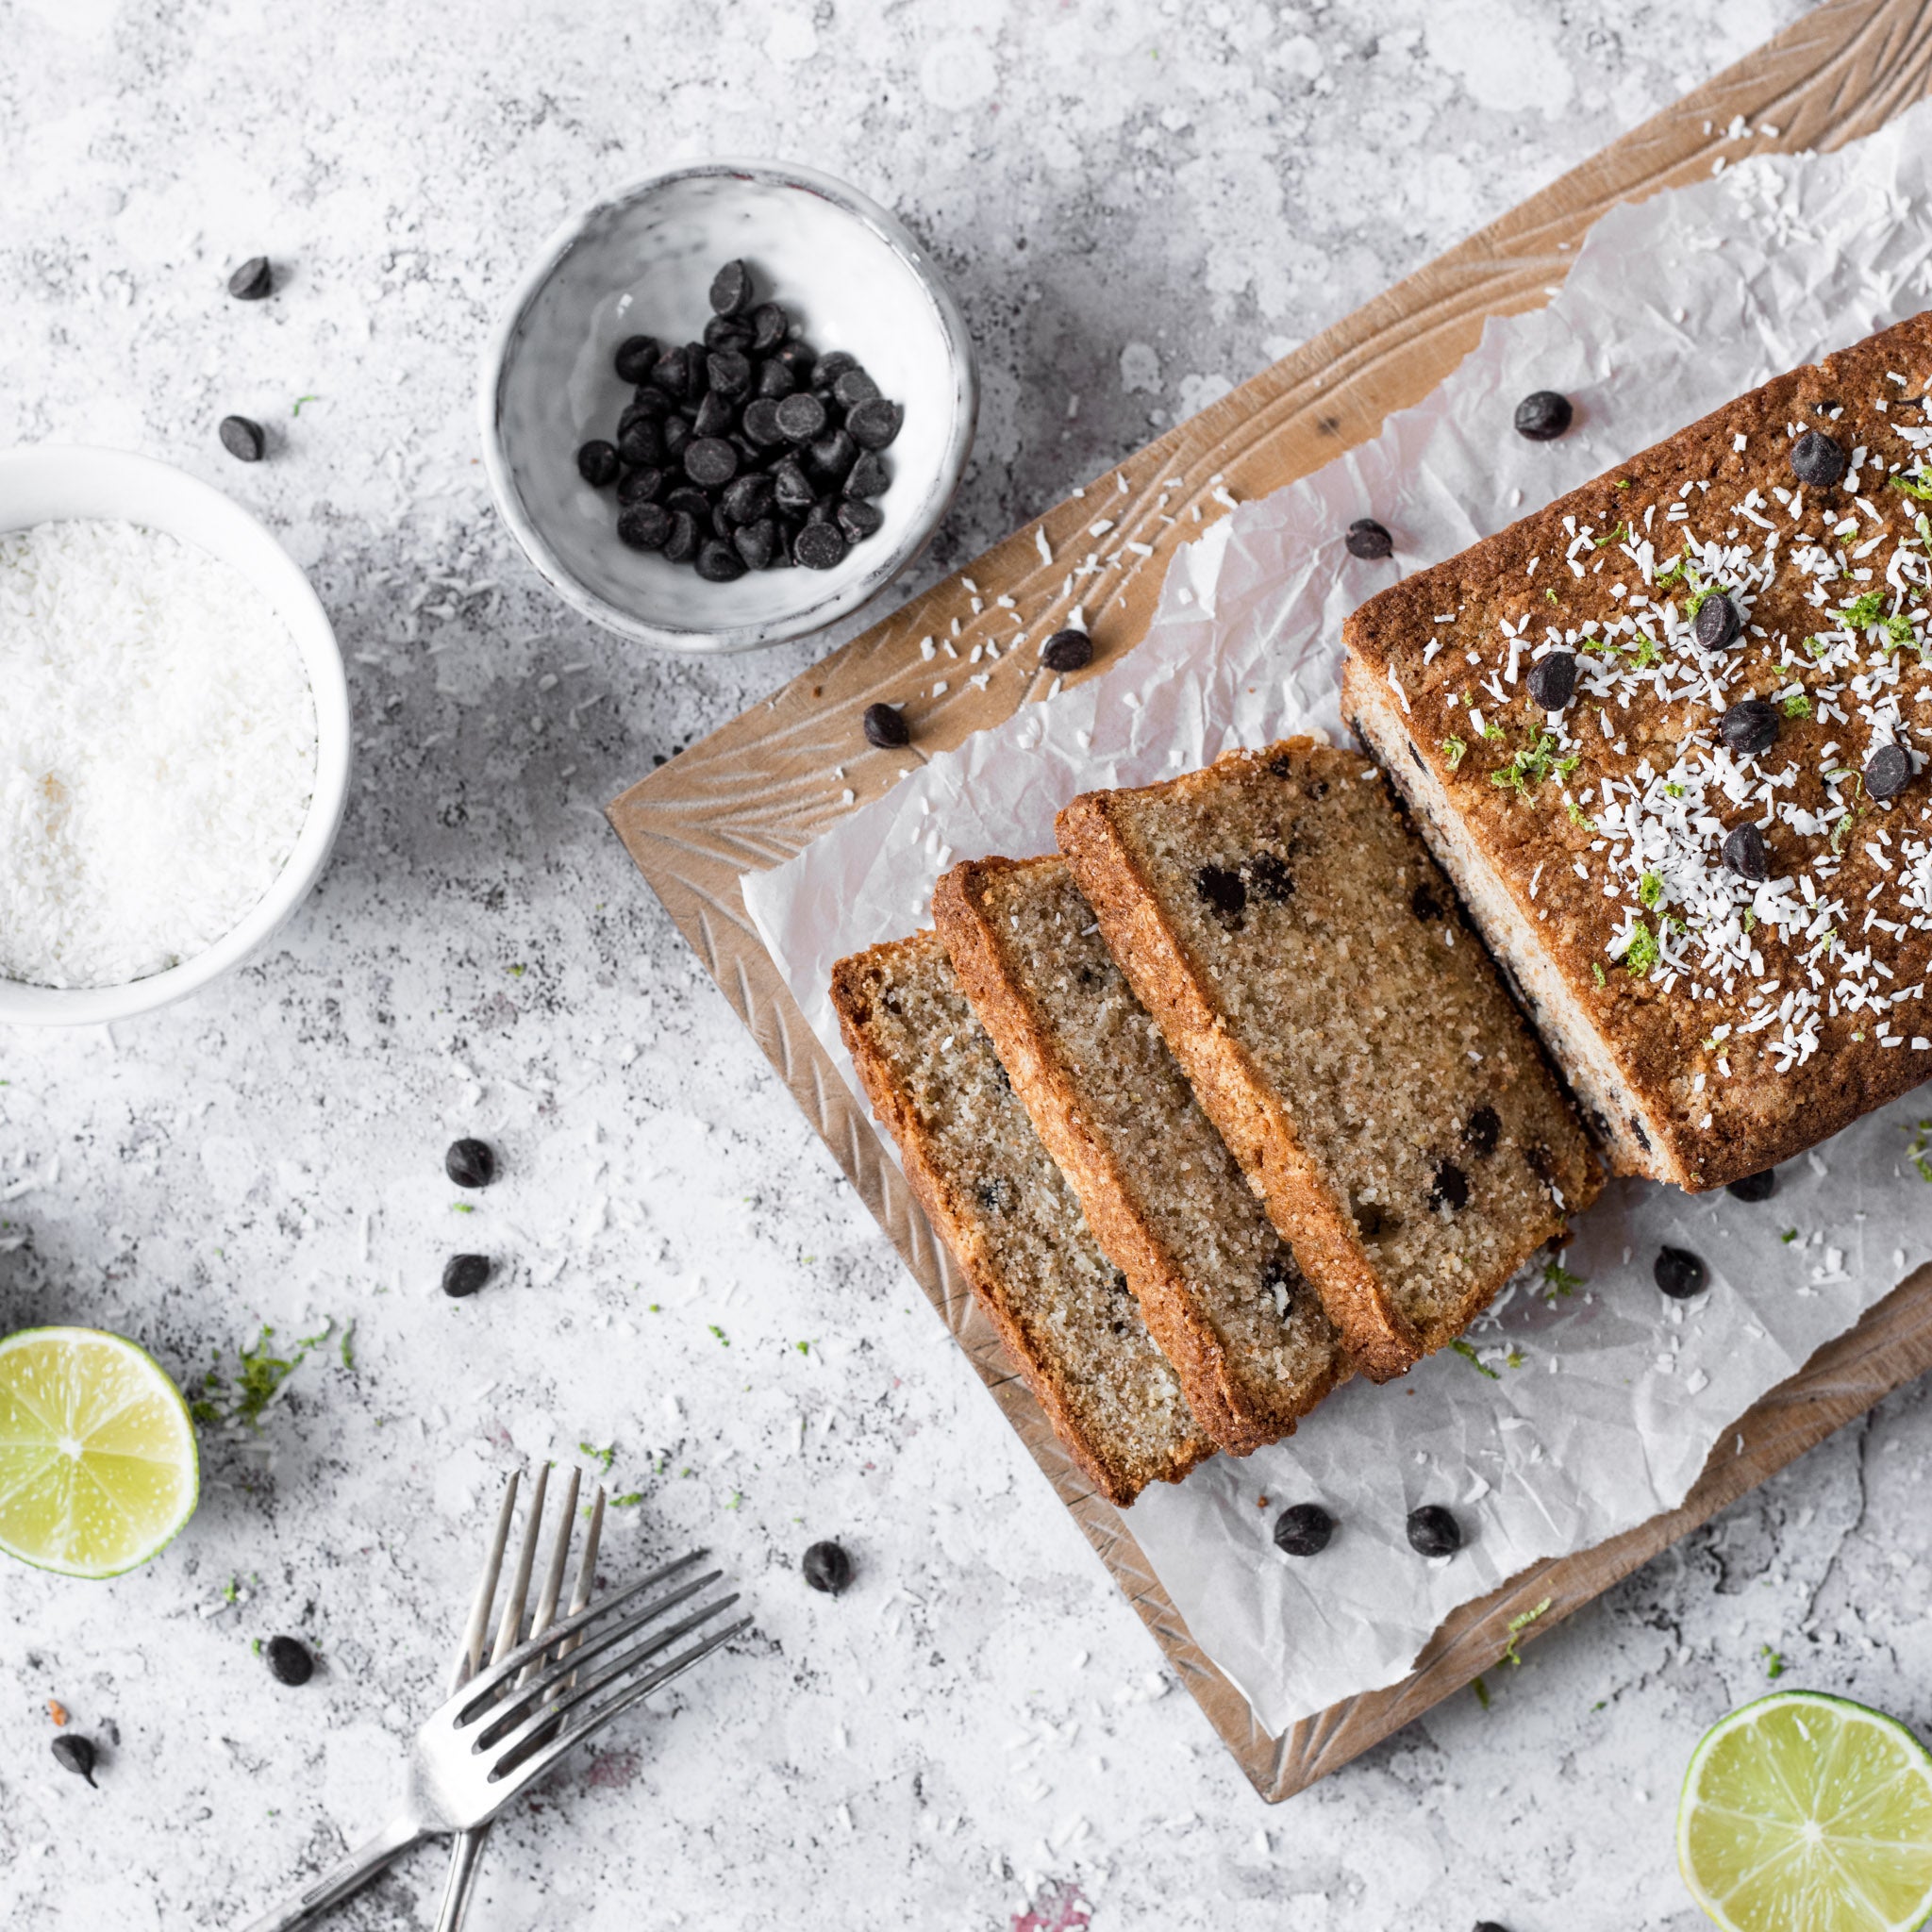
(642, 263)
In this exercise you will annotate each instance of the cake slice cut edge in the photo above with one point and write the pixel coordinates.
(995, 1196)
(1269, 912)
(1217, 1288)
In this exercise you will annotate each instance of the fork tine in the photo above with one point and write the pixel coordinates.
(523, 1716)
(533, 1767)
(587, 1566)
(558, 1668)
(491, 1680)
(553, 1575)
(510, 1624)
(471, 1654)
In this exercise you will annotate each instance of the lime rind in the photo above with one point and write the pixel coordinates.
(1806, 1812)
(98, 1465)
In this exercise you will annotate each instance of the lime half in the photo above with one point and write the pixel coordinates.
(97, 1465)
(1808, 1813)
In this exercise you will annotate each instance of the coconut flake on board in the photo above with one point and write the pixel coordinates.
(1598, 1410)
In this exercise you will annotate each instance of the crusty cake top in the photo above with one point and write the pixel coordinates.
(1722, 835)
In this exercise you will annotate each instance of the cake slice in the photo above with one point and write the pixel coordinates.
(1217, 1287)
(1343, 1029)
(1669, 737)
(997, 1201)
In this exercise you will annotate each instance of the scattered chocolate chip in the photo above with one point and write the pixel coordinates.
(1489, 1926)
(775, 381)
(1221, 890)
(826, 1567)
(1553, 679)
(1887, 772)
(243, 439)
(875, 423)
(676, 434)
(1066, 650)
(792, 486)
(1482, 1130)
(1744, 853)
(801, 417)
(1754, 1187)
(819, 547)
(1433, 1531)
(688, 500)
(463, 1275)
(289, 1660)
(648, 401)
(714, 416)
(253, 281)
(1304, 1530)
(1448, 1186)
(727, 332)
(1365, 538)
(1543, 415)
(671, 373)
(597, 462)
(641, 442)
(1818, 459)
(730, 372)
(885, 725)
(1749, 727)
(637, 356)
(645, 526)
(719, 562)
(1424, 903)
(832, 456)
(1680, 1274)
(747, 499)
(1717, 622)
(731, 289)
(470, 1163)
(73, 1753)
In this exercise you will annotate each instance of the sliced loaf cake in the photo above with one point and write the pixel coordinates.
(1343, 1029)
(1217, 1286)
(1669, 736)
(995, 1196)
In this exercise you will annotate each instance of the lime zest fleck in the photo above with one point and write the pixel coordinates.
(1642, 953)
(299, 401)
(1797, 704)
(1455, 750)
(1790, 1235)
(245, 1396)
(1596, 969)
(462, 1208)
(602, 1457)
(627, 1501)
(1919, 486)
(722, 1338)
(1920, 1152)
(1481, 1689)
(1773, 1661)
(1522, 1622)
(1468, 1352)
(1863, 611)
(1559, 1280)
(1650, 891)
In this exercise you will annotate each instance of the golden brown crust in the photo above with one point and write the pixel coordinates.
(855, 984)
(1723, 1104)
(1228, 1402)
(1248, 1108)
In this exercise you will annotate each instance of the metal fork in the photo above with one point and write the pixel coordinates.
(505, 1727)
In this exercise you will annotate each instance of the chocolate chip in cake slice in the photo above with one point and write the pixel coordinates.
(1448, 1186)
(1481, 1131)
(1754, 1187)
(1749, 727)
(1543, 415)
(1303, 1530)
(1887, 772)
(1818, 459)
(1553, 679)
(1269, 876)
(1680, 1274)
(1717, 622)
(1424, 903)
(1744, 853)
(1222, 890)
(1365, 538)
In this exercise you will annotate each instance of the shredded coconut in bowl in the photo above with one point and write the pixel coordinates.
(157, 751)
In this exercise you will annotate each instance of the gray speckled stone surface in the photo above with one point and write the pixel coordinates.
(1137, 204)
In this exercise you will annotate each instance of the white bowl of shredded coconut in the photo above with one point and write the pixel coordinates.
(174, 734)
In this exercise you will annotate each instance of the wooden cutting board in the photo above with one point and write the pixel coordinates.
(758, 790)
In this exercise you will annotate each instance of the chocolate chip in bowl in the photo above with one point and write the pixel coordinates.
(785, 385)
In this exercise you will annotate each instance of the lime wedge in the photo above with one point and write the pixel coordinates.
(1808, 1813)
(97, 1464)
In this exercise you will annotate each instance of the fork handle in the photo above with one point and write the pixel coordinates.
(356, 1870)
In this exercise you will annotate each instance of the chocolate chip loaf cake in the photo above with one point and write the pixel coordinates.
(1343, 1030)
(995, 1196)
(1217, 1288)
(1668, 738)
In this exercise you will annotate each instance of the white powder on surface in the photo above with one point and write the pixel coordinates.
(157, 751)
